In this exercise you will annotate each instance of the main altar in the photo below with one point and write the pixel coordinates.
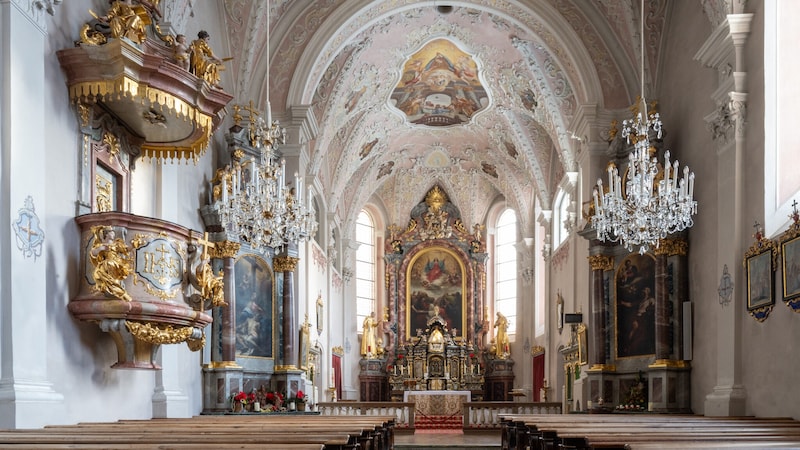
(436, 361)
(434, 334)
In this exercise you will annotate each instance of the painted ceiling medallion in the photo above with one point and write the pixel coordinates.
(439, 86)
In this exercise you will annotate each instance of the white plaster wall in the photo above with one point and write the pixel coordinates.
(769, 361)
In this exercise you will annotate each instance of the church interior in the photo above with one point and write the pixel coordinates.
(560, 205)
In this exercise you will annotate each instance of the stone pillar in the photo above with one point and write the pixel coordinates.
(223, 377)
(669, 377)
(286, 264)
(725, 49)
(226, 251)
(597, 318)
(27, 398)
(661, 296)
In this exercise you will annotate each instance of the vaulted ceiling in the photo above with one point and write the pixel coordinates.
(482, 97)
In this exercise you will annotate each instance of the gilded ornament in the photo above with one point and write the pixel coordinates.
(112, 142)
(90, 36)
(160, 265)
(435, 198)
(285, 263)
(459, 226)
(203, 63)
(601, 262)
(196, 345)
(125, 20)
(672, 247)
(602, 368)
(669, 363)
(112, 263)
(159, 293)
(338, 350)
(154, 333)
(537, 350)
(225, 249)
(103, 189)
(84, 112)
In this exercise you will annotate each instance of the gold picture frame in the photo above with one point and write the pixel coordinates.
(759, 264)
(583, 345)
(790, 267)
(436, 285)
(305, 345)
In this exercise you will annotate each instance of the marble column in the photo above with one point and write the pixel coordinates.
(597, 320)
(662, 297)
(669, 376)
(286, 265)
(226, 251)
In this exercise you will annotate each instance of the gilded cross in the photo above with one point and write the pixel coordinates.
(206, 244)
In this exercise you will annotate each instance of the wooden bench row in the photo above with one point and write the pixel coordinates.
(645, 431)
(270, 432)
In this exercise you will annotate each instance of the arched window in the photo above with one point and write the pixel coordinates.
(505, 268)
(781, 184)
(560, 215)
(365, 266)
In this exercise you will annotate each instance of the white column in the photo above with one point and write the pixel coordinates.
(170, 398)
(27, 398)
(728, 398)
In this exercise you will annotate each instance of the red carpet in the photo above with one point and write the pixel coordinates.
(430, 422)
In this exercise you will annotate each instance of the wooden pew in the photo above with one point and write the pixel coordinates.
(266, 431)
(645, 430)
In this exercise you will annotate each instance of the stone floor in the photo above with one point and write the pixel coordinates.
(448, 440)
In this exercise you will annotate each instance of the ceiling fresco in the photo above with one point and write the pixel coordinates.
(439, 86)
(484, 99)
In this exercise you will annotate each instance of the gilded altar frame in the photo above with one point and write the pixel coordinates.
(436, 284)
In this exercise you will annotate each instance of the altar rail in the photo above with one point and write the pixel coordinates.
(403, 412)
(477, 415)
(487, 414)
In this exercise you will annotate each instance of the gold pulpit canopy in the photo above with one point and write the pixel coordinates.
(137, 76)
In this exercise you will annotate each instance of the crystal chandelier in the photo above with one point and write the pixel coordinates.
(255, 207)
(644, 205)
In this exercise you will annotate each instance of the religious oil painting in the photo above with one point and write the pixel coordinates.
(790, 252)
(435, 286)
(254, 307)
(439, 86)
(635, 306)
(759, 280)
(305, 346)
(583, 345)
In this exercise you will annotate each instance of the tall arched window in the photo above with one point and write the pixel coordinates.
(781, 184)
(560, 215)
(365, 266)
(505, 268)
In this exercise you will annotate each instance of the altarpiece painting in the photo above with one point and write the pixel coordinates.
(636, 304)
(254, 307)
(435, 287)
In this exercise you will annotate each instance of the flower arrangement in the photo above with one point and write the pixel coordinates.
(273, 401)
(241, 400)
